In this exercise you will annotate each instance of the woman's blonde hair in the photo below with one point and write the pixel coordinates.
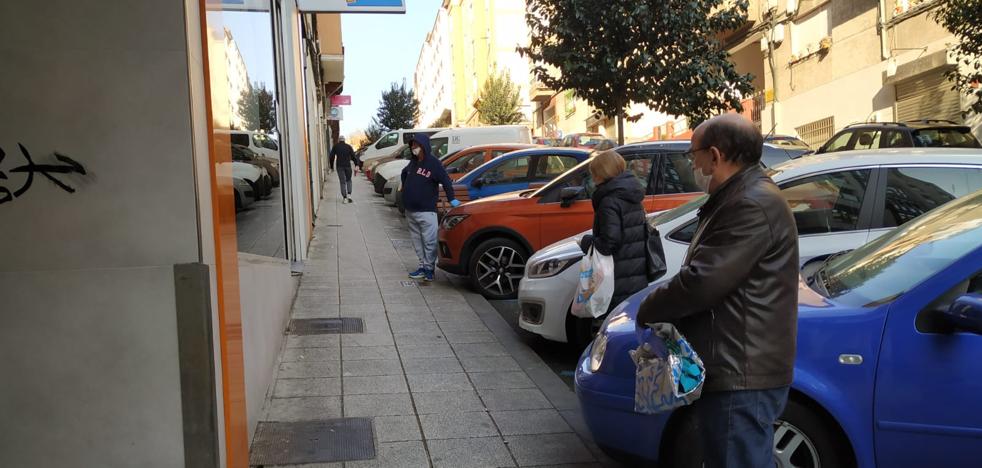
(606, 165)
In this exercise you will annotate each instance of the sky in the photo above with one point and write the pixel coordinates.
(379, 49)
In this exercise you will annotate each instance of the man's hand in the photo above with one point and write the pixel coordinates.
(455, 203)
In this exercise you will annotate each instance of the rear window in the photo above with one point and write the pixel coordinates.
(439, 146)
(954, 137)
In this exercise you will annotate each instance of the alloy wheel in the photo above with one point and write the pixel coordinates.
(500, 269)
(793, 448)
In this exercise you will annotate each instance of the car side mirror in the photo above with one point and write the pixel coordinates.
(568, 195)
(479, 182)
(966, 313)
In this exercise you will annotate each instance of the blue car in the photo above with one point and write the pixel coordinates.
(518, 170)
(889, 362)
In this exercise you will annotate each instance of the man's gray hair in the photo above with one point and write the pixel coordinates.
(736, 137)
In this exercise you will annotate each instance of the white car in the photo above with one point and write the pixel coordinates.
(392, 187)
(840, 201)
(384, 145)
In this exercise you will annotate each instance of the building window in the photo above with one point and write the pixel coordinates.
(569, 102)
(818, 132)
(807, 34)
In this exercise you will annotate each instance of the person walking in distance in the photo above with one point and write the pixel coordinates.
(619, 229)
(342, 155)
(736, 296)
(420, 189)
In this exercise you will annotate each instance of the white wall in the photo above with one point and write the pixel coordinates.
(267, 291)
(87, 322)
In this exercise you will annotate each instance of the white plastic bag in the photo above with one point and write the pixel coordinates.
(596, 287)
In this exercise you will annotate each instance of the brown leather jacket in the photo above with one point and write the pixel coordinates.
(735, 298)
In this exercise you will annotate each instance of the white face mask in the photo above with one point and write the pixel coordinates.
(417, 151)
(701, 178)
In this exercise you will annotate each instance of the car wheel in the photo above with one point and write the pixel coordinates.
(496, 268)
(802, 439)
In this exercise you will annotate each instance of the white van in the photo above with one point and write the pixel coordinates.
(456, 139)
(261, 143)
(384, 146)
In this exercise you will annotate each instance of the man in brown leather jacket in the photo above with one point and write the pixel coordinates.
(735, 298)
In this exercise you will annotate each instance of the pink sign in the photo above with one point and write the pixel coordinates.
(340, 100)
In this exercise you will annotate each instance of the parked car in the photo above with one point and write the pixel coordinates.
(788, 142)
(457, 164)
(255, 177)
(514, 225)
(588, 141)
(243, 193)
(384, 145)
(840, 202)
(886, 371)
(917, 133)
(526, 221)
(516, 170)
(260, 143)
(456, 139)
(546, 141)
(243, 154)
(397, 152)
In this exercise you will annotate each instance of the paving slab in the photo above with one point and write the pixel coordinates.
(486, 452)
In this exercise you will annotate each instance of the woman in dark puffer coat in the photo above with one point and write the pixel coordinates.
(619, 224)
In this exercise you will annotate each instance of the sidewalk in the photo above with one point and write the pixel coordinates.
(436, 379)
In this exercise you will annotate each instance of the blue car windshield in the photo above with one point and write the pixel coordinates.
(885, 268)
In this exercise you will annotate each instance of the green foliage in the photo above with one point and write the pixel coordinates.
(257, 106)
(443, 121)
(397, 109)
(500, 101)
(963, 18)
(373, 132)
(662, 53)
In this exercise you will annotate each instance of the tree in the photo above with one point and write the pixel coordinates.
(662, 53)
(257, 107)
(963, 18)
(397, 109)
(373, 132)
(500, 101)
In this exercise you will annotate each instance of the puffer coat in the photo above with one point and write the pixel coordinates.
(619, 230)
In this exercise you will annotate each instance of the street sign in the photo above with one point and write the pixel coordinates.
(340, 100)
(352, 6)
(335, 114)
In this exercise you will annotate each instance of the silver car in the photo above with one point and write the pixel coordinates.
(840, 201)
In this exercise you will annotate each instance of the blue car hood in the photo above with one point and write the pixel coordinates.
(620, 326)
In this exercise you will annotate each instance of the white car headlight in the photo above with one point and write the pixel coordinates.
(598, 350)
(550, 266)
(452, 221)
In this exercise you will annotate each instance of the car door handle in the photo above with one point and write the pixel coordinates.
(850, 359)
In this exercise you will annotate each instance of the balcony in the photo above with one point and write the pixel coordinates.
(539, 92)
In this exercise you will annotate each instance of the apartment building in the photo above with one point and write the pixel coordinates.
(433, 80)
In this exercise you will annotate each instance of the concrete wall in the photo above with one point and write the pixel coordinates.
(267, 292)
(88, 327)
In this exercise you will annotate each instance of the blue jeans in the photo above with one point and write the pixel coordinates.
(737, 428)
(423, 227)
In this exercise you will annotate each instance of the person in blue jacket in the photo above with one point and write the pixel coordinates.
(420, 189)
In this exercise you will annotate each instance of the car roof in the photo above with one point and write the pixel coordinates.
(489, 129)
(529, 152)
(880, 157)
(911, 124)
(516, 146)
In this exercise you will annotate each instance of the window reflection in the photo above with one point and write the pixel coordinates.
(250, 130)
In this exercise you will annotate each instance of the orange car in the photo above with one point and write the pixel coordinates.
(466, 160)
(490, 239)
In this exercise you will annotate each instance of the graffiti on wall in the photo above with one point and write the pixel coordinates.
(65, 165)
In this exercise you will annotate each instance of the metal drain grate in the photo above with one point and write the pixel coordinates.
(408, 284)
(326, 326)
(331, 440)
